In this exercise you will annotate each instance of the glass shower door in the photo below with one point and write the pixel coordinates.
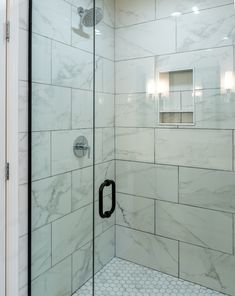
(61, 181)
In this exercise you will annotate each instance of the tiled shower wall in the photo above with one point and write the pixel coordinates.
(62, 100)
(176, 184)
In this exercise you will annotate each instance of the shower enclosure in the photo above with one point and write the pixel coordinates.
(132, 118)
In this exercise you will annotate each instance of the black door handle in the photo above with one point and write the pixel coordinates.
(107, 214)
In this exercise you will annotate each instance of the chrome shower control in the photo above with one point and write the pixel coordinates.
(81, 147)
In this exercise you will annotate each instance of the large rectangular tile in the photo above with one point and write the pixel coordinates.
(71, 67)
(208, 268)
(63, 157)
(108, 144)
(148, 250)
(104, 111)
(52, 19)
(41, 59)
(134, 75)
(135, 110)
(51, 199)
(41, 250)
(54, 282)
(201, 227)
(134, 12)
(51, 107)
(166, 8)
(71, 232)
(196, 148)
(147, 180)
(218, 20)
(135, 212)
(207, 189)
(135, 144)
(209, 66)
(142, 40)
(41, 155)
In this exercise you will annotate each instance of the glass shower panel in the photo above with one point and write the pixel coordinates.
(62, 147)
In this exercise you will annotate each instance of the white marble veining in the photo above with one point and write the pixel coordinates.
(41, 155)
(23, 107)
(82, 109)
(71, 232)
(148, 180)
(23, 262)
(209, 28)
(142, 40)
(52, 19)
(55, 282)
(23, 209)
(206, 267)
(51, 107)
(108, 144)
(108, 76)
(41, 250)
(207, 188)
(146, 249)
(135, 144)
(134, 75)
(201, 227)
(134, 12)
(104, 113)
(197, 148)
(51, 199)
(23, 157)
(166, 8)
(209, 65)
(135, 212)
(135, 110)
(41, 55)
(120, 277)
(23, 54)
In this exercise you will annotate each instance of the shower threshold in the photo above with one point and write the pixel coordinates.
(123, 278)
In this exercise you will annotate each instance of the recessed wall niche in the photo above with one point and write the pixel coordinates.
(176, 97)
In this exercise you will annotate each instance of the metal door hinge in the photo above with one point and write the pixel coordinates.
(7, 171)
(8, 31)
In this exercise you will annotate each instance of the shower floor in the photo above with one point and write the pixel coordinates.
(123, 278)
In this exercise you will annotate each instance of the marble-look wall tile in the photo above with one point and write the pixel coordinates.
(209, 65)
(71, 67)
(23, 54)
(134, 75)
(109, 12)
(54, 282)
(104, 171)
(23, 107)
(135, 144)
(147, 180)
(134, 12)
(166, 8)
(71, 232)
(207, 29)
(214, 108)
(63, 158)
(108, 144)
(52, 19)
(147, 249)
(23, 209)
(41, 250)
(82, 109)
(41, 155)
(206, 228)
(208, 268)
(41, 57)
(135, 212)
(207, 188)
(23, 291)
(135, 110)
(105, 41)
(23, 157)
(141, 40)
(23, 15)
(51, 199)
(104, 113)
(197, 148)
(51, 107)
(23, 261)
(108, 77)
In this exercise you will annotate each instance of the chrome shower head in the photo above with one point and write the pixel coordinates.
(87, 16)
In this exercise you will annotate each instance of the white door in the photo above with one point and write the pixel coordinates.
(2, 141)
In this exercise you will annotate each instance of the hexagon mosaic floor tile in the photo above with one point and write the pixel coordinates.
(122, 278)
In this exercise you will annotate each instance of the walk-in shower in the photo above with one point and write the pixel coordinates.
(132, 179)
